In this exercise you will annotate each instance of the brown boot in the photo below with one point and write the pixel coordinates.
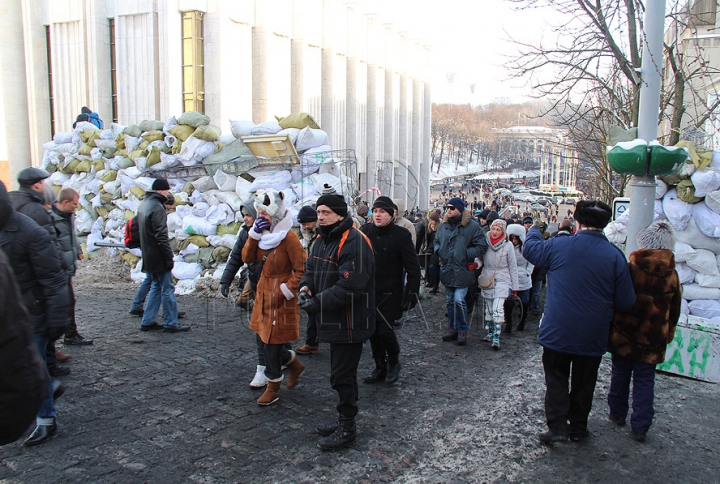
(271, 394)
(60, 356)
(306, 349)
(297, 368)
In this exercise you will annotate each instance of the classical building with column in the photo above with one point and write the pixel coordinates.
(365, 83)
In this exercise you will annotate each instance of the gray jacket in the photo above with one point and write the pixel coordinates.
(70, 248)
(458, 245)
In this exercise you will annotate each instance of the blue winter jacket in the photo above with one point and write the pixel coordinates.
(587, 282)
(94, 118)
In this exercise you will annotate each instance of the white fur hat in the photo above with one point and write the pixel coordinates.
(516, 229)
(658, 235)
(272, 202)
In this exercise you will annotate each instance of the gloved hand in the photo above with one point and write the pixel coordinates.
(308, 303)
(535, 226)
(473, 266)
(55, 332)
(224, 290)
(261, 225)
(514, 294)
(410, 302)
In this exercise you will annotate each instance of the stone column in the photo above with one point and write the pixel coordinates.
(297, 50)
(371, 115)
(327, 103)
(389, 125)
(350, 81)
(416, 129)
(259, 64)
(427, 120)
(402, 175)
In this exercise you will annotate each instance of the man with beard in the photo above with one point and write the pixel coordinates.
(307, 218)
(394, 255)
(338, 286)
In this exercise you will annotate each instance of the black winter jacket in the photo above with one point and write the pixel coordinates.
(42, 279)
(457, 245)
(235, 261)
(340, 272)
(70, 248)
(23, 377)
(29, 202)
(154, 241)
(394, 253)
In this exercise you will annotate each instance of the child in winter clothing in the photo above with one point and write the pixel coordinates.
(516, 236)
(639, 337)
(499, 260)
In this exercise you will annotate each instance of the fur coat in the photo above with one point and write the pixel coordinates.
(643, 333)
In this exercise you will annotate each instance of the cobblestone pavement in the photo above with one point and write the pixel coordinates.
(168, 408)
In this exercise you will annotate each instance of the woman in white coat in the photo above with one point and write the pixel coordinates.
(499, 261)
(516, 236)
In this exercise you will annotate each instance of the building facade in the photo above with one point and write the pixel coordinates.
(128, 60)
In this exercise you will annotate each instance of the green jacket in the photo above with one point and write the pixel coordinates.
(458, 246)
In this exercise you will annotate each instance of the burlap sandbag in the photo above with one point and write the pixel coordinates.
(194, 119)
(182, 131)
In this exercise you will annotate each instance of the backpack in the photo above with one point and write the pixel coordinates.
(132, 234)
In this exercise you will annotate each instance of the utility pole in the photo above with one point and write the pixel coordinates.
(642, 196)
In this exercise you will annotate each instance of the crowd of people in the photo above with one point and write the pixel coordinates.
(354, 272)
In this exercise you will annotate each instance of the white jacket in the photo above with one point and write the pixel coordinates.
(524, 270)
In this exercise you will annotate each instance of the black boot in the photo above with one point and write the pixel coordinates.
(328, 428)
(435, 284)
(525, 308)
(344, 436)
(379, 373)
(508, 307)
(393, 372)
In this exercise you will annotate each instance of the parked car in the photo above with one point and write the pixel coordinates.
(570, 201)
(536, 206)
(543, 201)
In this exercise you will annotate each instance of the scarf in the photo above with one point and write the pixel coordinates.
(271, 239)
(494, 241)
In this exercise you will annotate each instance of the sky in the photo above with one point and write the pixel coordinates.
(469, 40)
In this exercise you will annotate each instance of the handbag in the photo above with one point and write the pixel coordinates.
(486, 281)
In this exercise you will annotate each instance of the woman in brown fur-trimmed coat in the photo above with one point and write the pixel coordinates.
(639, 337)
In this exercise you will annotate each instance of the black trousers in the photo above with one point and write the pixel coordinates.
(71, 329)
(344, 361)
(384, 341)
(563, 404)
(274, 357)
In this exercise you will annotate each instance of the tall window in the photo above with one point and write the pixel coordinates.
(113, 72)
(50, 80)
(193, 62)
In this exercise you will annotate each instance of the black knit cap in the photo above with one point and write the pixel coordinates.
(385, 203)
(333, 201)
(307, 214)
(160, 184)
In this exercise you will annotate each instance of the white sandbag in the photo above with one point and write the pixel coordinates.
(686, 274)
(242, 188)
(684, 308)
(241, 128)
(144, 182)
(705, 181)
(308, 201)
(304, 188)
(616, 233)
(104, 143)
(210, 197)
(183, 211)
(692, 292)
(706, 280)
(205, 183)
(224, 182)
(624, 218)
(278, 180)
(132, 172)
(49, 145)
(707, 309)
(131, 143)
(62, 137)
(290, 197)
(227, 240)
(692, 235)
(65, 148)
(184, 270)
(83, 222)
(715, 163)
(707, 220)
(174, 222)
(226, 139)
(311, 138)
(292, 133)
(200, 209)
(320, 180)
(170, 123)
(712, 200)
(190, 249)
(117, 215)
(678, 212)
(198, 225)
(220, 214)
(92, 239)
(704, 262)
(58, 178)
(330, 167)
(197, 197)
(688, 169)
(659, 212)
(268, 127)
(194, 150)
(682, 251)
(116, 129)
(661, 189)
(231, 199)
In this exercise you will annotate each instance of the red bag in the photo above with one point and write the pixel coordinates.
(132, 234)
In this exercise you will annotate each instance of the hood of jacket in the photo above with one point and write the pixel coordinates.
(466, 216)
(658, 262)
(500, 243)
(249, 206)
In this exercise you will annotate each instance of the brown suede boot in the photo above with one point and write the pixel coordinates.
(297, 368)
(60, 356)
(271, 394)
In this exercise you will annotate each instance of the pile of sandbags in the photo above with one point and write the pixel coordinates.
(691, 202)
(112, 170)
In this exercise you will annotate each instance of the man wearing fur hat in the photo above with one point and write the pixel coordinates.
(158, 260)
(394, 256)
(339, 288)
(275, 317)
(459, 241)
(588, 281)
(639, 337)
